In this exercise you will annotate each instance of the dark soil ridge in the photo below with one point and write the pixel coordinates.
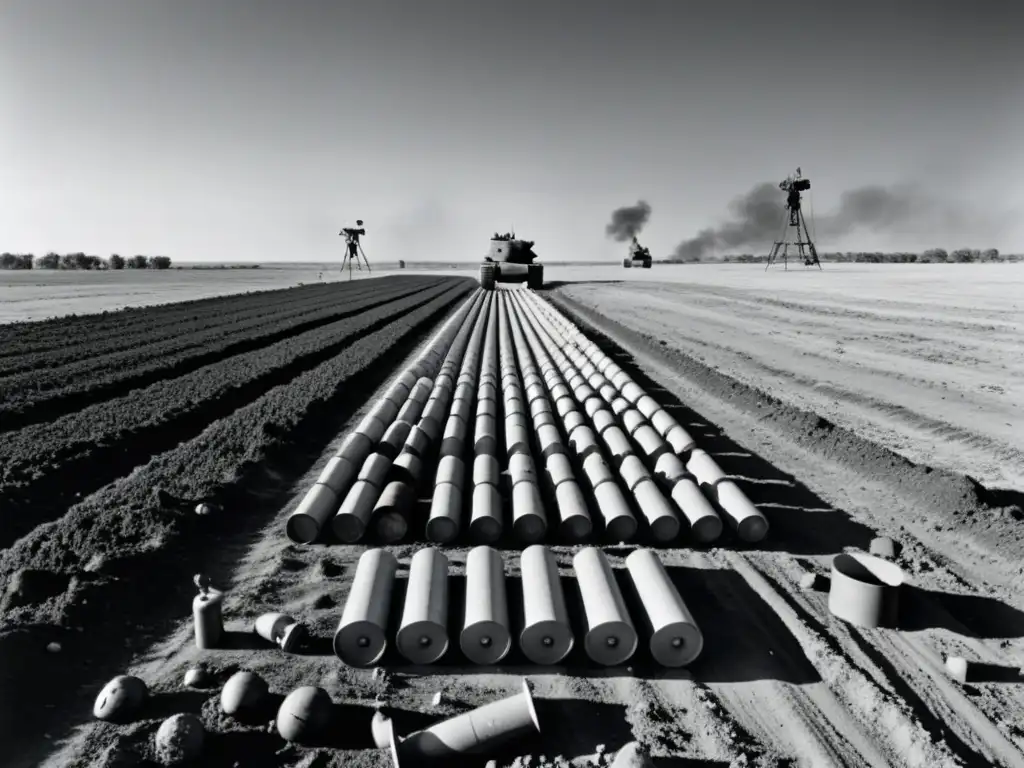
(141, 530)
(85, 391)
(157, 314)
(78, 470)
(992, 516)
(97, 345)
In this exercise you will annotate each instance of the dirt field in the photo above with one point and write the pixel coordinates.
(224, 402)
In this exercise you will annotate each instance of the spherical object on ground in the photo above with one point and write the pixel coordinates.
(119, 698)
(197, 677)
(243, 692)
(303, 713)
(179, 739)
(205, 509)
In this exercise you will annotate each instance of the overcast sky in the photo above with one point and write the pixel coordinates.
(251, 129)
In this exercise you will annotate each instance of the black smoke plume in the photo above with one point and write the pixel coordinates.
(758, 217)
(627, 222)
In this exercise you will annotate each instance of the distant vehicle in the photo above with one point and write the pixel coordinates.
(511, 261)
(638, 256)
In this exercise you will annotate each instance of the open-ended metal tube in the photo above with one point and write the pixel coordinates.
(546, 637)
(361, 637)
(486, 637)
(673, 636)
(423, 634)
(610, 637)
(473, 732)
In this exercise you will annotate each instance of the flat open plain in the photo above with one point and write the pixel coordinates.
(821, 394)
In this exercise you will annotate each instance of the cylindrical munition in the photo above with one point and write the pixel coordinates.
(423, 634)
(339, 474)
(608, 392)
(593, 405)
(558, 469)
(417, 443)
(609, 635)
(281, 630)
(407, 379)
(620, 405)
(486, 470)
(705, 524)
(465, 390)
(620, 379)
(453, 440)
(421, 390)
(575, 523)
(588, 369)
(583, 442)
(544, 419)
(661, 517)
(669, 470)
(451, 469)
(355, 448)
(385, 410)
(392, 511)
(675, 639)
(431, 427)
(407, 468)
(617, 443)
(534, 392)
(572, 420)
(361, 636)
(680, 440)
(521, 468)
(487, 390)
(350, 522)
(584, 392)
(375, 469)
(410, 411)
(704, 468)
(372, 427)
(485, 438)
(486, 637)
(632, 392)
(208, 618)
(746, 519)
(540, 405)
(477, 731)
(528, 519)
(546, 637)
(463, 409)
(663, 421)
(632, 471)
(315, 509)
(597, 470)
(558, 391)
(652, 445)
(647, 406)
(631, 420)
(487, 408)
(445, 513)
(394, 438)
(619, 523)
(603, 419)
(485, 524)
(564, 406)
(517, 438)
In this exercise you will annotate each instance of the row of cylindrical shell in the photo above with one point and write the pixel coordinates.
(596, 382)
(546, 636)
(394, 437)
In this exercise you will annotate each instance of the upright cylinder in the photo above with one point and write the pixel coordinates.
(675, 639)
(610, 636)
(546, 637)
(208, 618)
(361, 637)
(423, 634)
(486, 637)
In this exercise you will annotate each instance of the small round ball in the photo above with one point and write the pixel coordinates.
(303, 713)
(244, 691)
(179, 739)
(120, 698)
(205, 509)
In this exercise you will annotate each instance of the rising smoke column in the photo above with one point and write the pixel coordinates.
(758, 216)
(627, 222)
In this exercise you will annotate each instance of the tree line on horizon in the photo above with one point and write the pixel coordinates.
(930, 256)
(82, 261)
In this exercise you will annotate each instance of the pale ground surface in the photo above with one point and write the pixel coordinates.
(927, 360)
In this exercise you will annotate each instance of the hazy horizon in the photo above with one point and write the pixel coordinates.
(221, 130)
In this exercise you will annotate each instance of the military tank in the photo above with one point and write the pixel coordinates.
(510, 260)
(639, 256)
